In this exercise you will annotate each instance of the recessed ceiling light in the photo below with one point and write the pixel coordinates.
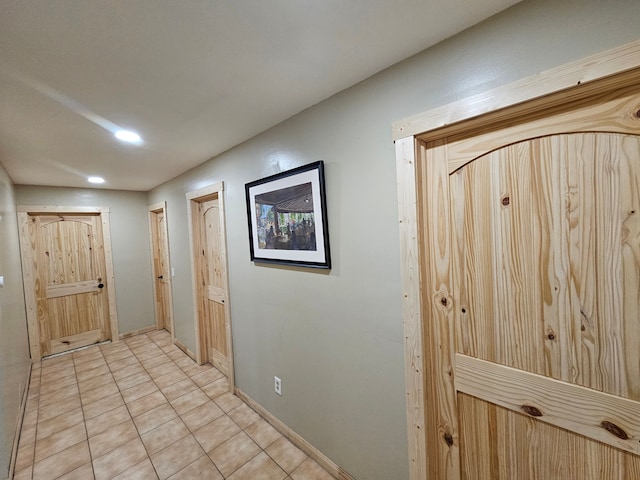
(95, 180)
(128, 136)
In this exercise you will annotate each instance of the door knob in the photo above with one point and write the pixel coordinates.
(101, 285)
(161, 277)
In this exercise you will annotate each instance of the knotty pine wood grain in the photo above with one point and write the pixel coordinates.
(411, 309)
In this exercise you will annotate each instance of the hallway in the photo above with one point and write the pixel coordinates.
(142, 409)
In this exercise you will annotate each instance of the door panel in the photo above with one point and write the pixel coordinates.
(549, 236)
(547, 273)
(530, 277)
(206, 209)
(213, 293)
(161, 269)
(70, 281)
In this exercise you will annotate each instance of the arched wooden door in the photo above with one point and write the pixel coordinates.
(529, 247)
(68, 278)
(211, 287)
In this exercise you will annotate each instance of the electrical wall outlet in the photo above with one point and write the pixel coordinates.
(277, 385)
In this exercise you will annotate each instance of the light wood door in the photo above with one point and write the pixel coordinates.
(531, 247)
(161, 269)
(65, 273)
(210, 276)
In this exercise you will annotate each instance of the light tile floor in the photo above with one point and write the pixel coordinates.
(142, 409)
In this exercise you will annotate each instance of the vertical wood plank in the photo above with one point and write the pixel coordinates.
(108, 268)
(411, 306)
(441, 420)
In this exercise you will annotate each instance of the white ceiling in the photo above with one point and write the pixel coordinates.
(193, 77)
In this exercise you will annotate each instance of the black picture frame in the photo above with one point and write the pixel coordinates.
(287, 218)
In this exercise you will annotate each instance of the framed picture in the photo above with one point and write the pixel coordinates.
(287, 215)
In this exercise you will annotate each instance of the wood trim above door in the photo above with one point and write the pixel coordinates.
(23, 212)
(571, 81)
(429, 379)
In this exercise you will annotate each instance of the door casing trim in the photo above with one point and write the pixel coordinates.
(196, 196)
(156, 208)
(23, 212)
(570, 83)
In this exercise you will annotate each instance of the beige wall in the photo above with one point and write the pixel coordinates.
(335, 338)
(14, 346)
(129, 241)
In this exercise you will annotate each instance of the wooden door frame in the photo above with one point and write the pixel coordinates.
(197, 196)
(23, 212)
(153, 209)
(426, 302)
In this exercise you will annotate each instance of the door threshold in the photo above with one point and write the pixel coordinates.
(54, 355)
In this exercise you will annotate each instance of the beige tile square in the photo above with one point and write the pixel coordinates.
(95, 382)
(164, 435)
(30, 418)
(286, 454)
(189, 401)
(206, 377)
(125, 372)
(217, 388)
(138, 391)
(147, 353)
(158, 370)
(228, 402)
(158, 362)
(124, 362)
(195, 369)
(59, 423)
(94, 372)
(112, 438)
(181, 359)
(310, 470)
(87, 354)
(62, 462)
(200, 416)
(27, 473)
(61, 395)
(97, 393)
(85, 472)
(243, 416)
(178, 389)
(176, 456)
(177, 354)
(146, 403)
(170, 378)
(202, 468)
(54, 409)
(107, 420)
(142, 471)
(133, 380)
(59, 384)
(262, 433)
(59, 441)
(216, 433)
(116, 355)
(89, 364)
(260, 467)
(154, 418)
(105, 404)
(58, 375)
(28, 434)
(234, 453)
(24, 458)
(119, 459)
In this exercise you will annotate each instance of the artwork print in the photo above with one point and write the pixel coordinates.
(287, 218)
